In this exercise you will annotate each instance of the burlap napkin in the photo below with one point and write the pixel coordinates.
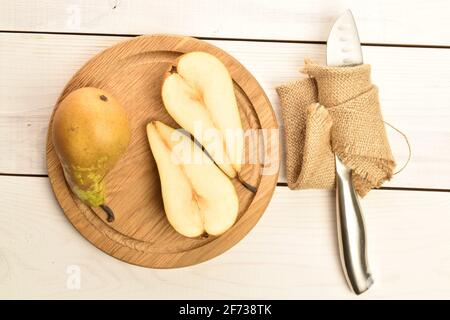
(336, 110)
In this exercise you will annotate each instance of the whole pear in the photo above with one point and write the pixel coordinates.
(90, 132)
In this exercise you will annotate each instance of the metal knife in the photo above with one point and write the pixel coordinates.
(344, 49)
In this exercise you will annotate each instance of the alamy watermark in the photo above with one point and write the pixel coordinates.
(73, 281)
(228, 146)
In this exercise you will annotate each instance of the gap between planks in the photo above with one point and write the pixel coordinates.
(279, 184)
(367, 44)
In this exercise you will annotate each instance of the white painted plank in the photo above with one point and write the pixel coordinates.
(413, 85)
(379, 21)
(291, 253)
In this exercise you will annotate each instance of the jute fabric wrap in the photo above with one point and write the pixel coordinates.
(334, 111)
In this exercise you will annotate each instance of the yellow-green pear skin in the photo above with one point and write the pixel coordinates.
(90, 132)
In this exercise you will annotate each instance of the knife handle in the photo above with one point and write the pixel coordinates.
(351, 232)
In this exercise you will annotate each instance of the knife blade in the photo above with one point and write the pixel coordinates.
(343, 50)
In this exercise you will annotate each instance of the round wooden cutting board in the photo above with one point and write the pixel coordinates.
(132, 71)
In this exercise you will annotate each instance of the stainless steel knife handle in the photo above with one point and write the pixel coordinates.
(351, 232)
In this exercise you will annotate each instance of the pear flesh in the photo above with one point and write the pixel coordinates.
(198, 197)
(200, 98)
(90, 132)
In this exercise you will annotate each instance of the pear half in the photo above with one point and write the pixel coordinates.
(198, 197)
(200, 98)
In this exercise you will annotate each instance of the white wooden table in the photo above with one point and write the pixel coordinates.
(292, 251)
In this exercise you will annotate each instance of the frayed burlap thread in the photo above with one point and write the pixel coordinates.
(335, 110)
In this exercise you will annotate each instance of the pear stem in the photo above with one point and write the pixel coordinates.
(247, 185)
(205, 235)
(109, 212)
